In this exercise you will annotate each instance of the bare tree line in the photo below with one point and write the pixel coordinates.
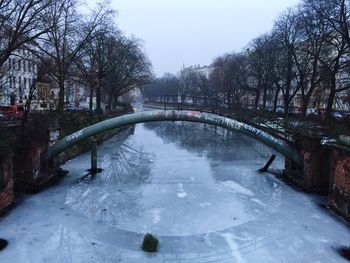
(83, 47)
(303, 59)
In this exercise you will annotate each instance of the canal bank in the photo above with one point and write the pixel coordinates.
(194, 186)
(21, 163)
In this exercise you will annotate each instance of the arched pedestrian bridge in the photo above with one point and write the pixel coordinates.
(192, 116)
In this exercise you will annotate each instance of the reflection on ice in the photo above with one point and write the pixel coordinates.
(105, 197)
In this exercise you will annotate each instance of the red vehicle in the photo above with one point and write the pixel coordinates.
(12, 111)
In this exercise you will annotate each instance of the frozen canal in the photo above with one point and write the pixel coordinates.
(194, 186)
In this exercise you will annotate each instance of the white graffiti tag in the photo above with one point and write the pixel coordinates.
(74, 135)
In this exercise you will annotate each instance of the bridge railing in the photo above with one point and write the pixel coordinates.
(266, 120)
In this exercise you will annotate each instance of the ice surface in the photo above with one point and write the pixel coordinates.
(234, 247)
(195, 187)
(237, 188)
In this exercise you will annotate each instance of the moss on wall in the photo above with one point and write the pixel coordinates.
(72, 122)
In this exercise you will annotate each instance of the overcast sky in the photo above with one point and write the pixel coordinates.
(191, 32)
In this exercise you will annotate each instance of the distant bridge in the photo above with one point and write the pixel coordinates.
(171, 115)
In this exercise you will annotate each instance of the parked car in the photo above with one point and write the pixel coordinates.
(337, 115)
(70, 107)
(279, 109)
(12, 111)
(312, 111)
(3, 117)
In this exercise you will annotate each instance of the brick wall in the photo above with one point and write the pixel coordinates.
(7, 189)
(316, 169)
(314, 175)
(339, 197)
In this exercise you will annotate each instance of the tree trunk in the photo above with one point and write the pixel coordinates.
(115, 100)
(331, 96)
(275, 100)
(257, 97)
(110, 100)
(304, 104)
(264, 97)
(286, 105)
(98, 99)
(91, 99)
(60, 106)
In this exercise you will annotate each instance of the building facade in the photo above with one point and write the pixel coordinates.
(17, 76)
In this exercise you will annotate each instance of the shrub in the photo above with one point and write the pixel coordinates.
(150, 243)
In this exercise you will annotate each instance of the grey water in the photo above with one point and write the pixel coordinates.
(194, 186)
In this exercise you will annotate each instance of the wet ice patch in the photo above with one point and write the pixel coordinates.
(236, 187)
(206, 204)
(229, 238)
(86, 192)
(102, 198)
(156, 215)
(257, 201)
(182, 195)
(181, 192)
(316, 216)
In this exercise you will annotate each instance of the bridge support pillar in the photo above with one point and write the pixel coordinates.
(267, 165)
(316, 169)
(94, 169)
(339, 193)
(313, 176)
(293, 172)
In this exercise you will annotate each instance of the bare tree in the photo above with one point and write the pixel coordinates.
(132, 69)
(231, 74)
(96, 61)
(285, 33)
(21, 22)
(194, 83)
(43, 69)
(167, 85)
(262, 58)
(64, 42)
(306, 53)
